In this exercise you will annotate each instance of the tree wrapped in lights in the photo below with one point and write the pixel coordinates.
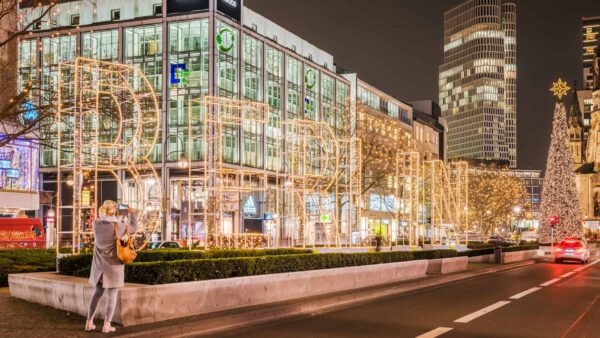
(559, 195)
(493, 193)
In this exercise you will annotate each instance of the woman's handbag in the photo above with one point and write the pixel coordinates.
(125, 250)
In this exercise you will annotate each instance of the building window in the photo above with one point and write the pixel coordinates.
(227, 60)
(143, 50)
(253, 77)
(75, 20)
(274, 67)
(188, 67)
(157, 9)
(115, 15)
(37, 25)
(101, 45)
(311, 90)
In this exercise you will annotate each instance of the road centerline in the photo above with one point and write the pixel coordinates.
(481, 312)
(525, 293)
(550, 282)
(435, 332)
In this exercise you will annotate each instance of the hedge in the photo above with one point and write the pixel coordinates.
(25, 260)
(477, 252)
(79, 265)
(522, 247)
(489, 251)
(219, 266)
(204, 269)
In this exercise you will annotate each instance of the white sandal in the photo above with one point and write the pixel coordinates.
(108, 329)
(89, 325)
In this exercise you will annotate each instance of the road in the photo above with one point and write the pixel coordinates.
(541, 300)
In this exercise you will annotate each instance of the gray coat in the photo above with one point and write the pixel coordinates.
(106, 267)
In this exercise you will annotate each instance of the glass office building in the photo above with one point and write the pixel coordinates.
(478, 81)
(188, 50)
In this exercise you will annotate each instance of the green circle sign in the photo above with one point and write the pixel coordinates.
(225, 39)
(310, 78)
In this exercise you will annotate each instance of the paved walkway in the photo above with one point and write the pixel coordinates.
(19, 318)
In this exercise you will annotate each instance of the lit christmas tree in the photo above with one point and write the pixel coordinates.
(559, 194)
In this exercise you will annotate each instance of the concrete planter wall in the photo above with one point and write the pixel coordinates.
(140, 304)
(516, 256)
(447, 265)
(482, 259)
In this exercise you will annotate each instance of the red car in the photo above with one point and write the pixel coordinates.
(572, 249)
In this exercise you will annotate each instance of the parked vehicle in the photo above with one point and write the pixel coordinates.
(529, 236)
(164, 245)
(572, 249)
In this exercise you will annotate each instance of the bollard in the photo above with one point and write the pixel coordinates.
(498, 255)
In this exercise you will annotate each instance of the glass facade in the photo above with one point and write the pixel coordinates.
(275, 100)
(143, 50)
(102, 45)
(189, 69)
(27, 63)
(311, 93)
(181, 68)
(54, 51)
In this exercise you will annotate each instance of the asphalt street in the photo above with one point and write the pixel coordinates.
(541, 300)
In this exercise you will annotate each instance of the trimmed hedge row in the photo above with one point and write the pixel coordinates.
(25, 260)
(489, 251)
(80, 265)
(522, 247)
(204, 269)
(477, 252)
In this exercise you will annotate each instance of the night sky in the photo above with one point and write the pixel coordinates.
(396, 45)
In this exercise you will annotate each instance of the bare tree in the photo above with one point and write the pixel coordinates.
(22, 112)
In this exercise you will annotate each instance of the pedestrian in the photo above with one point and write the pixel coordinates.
(108, 273)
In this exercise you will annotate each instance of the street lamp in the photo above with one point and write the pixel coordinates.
(517, 211)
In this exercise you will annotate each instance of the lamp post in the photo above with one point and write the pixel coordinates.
(517, 211)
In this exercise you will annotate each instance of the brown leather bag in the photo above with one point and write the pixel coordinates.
(125, 250)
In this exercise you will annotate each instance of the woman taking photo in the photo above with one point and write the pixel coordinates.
(108, 273)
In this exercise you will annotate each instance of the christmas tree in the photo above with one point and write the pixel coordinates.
(559, 194)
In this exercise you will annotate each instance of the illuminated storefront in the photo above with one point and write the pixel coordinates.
(19, 176)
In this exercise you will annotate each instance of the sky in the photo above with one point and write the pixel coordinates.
(397, 46)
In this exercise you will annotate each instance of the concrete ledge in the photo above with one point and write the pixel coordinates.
(517, 256)
(140, 304)
(447, 265)
(482, 259)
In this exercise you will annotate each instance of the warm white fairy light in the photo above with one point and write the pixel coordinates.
(559, 195)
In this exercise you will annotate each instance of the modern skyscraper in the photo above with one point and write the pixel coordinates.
(591, 34)
(478, 80)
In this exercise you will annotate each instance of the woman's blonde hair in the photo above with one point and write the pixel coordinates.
(108, 208)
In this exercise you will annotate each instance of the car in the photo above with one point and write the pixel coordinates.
(529, 236)
(164, 245)
(572, 249)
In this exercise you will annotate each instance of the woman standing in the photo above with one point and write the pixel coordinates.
(108, 273)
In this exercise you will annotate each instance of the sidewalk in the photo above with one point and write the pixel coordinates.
(19, 318)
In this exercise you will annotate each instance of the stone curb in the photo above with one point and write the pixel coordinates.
(235, 319)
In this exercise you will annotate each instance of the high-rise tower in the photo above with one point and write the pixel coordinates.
(478, 80)
(591, 37)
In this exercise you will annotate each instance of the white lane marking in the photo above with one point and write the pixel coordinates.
(481, 312)
(587, 266)
(435, 332)
(567, 274)
(552, 281)
(525, 293)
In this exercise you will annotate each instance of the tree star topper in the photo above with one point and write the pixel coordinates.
(560, 88)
